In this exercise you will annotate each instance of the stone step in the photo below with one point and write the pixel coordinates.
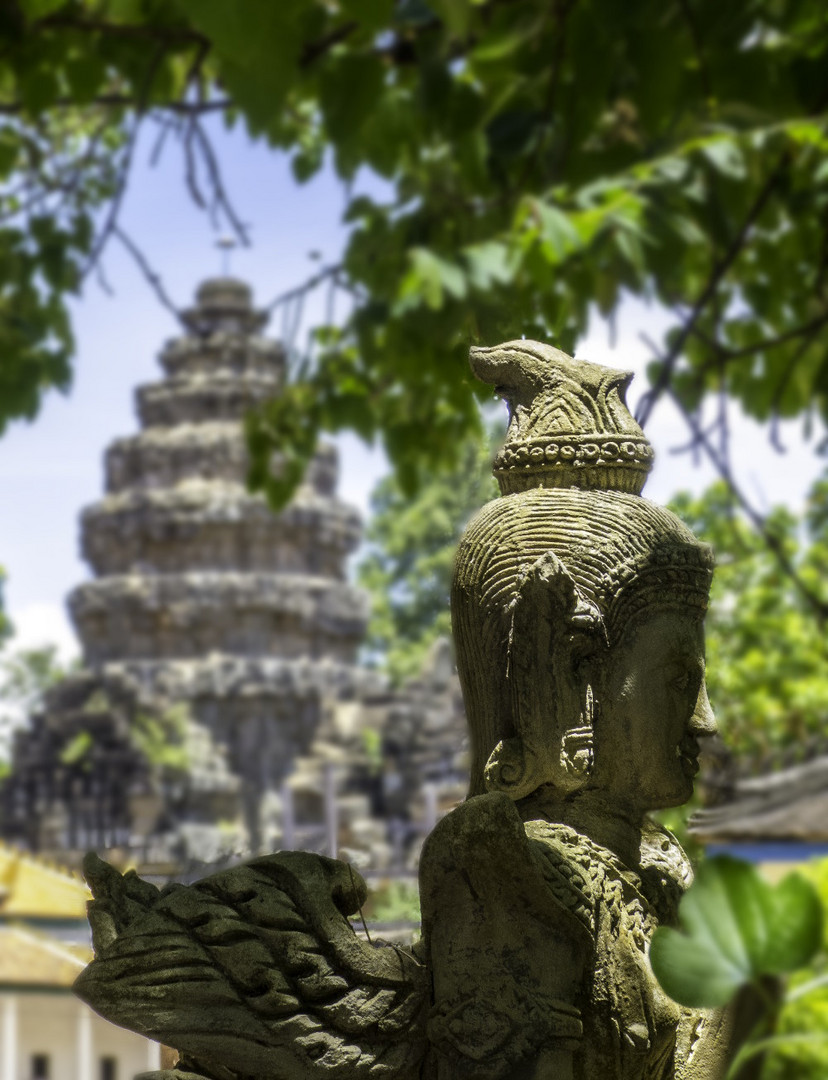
(164, 457)
(221, 677)
(210, 525)
(192, 614)
(194, 399)
(223, 352)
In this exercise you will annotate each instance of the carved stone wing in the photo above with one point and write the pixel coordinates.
(256, 972)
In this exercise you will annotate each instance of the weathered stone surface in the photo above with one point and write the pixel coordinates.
(214, 525)
(138, 616)
(207, 608)
(577, 611)
(257, 972)
(207, 397)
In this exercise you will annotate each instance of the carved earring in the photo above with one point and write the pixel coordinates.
(508, 769)
(578, 745)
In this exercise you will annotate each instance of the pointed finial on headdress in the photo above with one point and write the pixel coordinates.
(569, 422)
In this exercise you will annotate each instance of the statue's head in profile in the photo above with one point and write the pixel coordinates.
(577, 604)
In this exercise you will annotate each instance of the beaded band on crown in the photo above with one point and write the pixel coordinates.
(596, 462)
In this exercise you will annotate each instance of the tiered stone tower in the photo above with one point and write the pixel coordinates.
(215, 633)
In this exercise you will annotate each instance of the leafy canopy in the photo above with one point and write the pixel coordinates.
(540, 157)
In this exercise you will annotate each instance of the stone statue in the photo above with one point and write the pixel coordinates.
(577, 608)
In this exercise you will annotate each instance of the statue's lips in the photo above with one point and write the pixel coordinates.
(689, 764)
(687, 753)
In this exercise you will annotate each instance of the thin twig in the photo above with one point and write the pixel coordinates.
(314, 49)
(128, 101)
(126, 163)
(698, 46)
(718, 272)
(102, 279)
(772, 541)
(190, 168)
(763, 345)
(158, 146)
(152, 276)
(300, 290)
(217, 182)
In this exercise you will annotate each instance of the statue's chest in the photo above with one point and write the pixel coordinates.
(630, 1025)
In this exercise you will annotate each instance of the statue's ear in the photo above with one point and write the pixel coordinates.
(553, 628)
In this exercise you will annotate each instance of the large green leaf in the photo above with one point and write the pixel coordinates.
(735, 928)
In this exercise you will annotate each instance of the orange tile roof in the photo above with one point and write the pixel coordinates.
(33, 888)
(28, 960)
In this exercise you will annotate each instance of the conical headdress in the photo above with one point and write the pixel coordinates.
(570, 425)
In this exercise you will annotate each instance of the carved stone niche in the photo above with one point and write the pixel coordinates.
(577, 608)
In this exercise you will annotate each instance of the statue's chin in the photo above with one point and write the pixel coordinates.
(676, 797)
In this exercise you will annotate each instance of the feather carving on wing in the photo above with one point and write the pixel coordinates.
(256, 972)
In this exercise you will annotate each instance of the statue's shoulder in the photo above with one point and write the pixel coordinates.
(506, 952)
(487, 846)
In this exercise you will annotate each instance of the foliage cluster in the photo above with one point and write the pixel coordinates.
(162, 737)
(740, 936)
(394, 900)
(540, 157)
(25, 676)
(806, 1011)
(410, 553)
(767, 656)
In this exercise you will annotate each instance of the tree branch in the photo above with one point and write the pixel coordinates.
(152, 276)
(128, 101)
(728, 354)
(126, 163)
(164, 35)
(774, 544)
(306, 287)
(315, 49)
(718, 272)
(220, 196)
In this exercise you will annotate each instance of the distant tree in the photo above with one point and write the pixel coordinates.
(410, 553)
(767, 658)
(542, 157)
(25, 676)
(5, 625)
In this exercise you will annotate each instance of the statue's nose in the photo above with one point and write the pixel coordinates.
(703, 721)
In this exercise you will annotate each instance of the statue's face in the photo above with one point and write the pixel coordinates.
(653, 709)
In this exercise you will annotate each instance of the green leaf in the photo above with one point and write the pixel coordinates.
(371, 13)
(9, 150)
(455, 14)
(37, 9)
(85, 74)
(725, 156)
(489, 264)
(735, 928)
(38, 89)
(349, 89)
(429, 279)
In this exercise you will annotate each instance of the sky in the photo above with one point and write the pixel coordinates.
(51, 468)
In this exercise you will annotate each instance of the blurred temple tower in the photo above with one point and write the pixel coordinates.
(216, 634)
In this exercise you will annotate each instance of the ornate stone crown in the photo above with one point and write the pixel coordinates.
(569, 426)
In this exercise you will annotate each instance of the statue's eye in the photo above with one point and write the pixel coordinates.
(682, 683)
